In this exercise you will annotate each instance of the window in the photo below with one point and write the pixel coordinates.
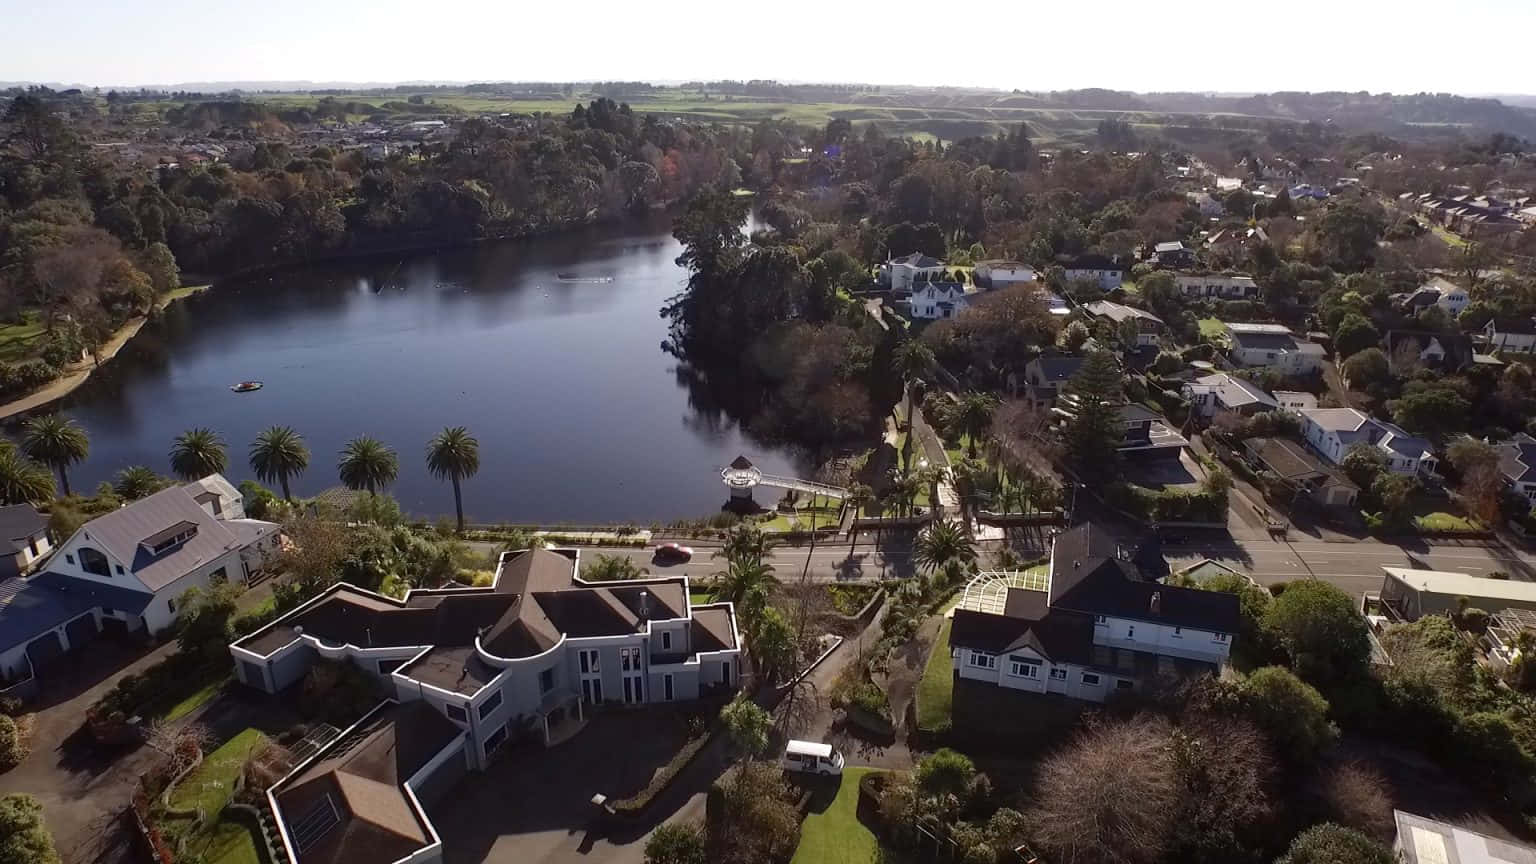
(456, 713)
(666, 686)
(983, 660)
(69, 558)
(119, 569)
(92, 561)
(589, 662)
(490, 704)
(1023, 667)
(666, 640)
(1090, 679)
(629, 659)
(494, 742)
(170, 605)
(1058, 674)
(1100, 619)
(1123, 684)
(109, 611)
(1218, 637)
(32, 546)
(1178, 632)
(1130, 631)
(546, 681)
(218, 575)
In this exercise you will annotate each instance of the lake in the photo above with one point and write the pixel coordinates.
(548, 349)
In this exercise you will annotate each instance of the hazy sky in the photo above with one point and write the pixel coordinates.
(1233, 45)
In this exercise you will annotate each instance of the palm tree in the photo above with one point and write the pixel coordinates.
(972, 416)
(912, 360)
(745, 542)
(367, 465)
(22, 481)
(198, 452)
(943, 545)
(277, 454)
(57, 443)
(743, 577)
(137, 481)
(903, 491)
(455, 454)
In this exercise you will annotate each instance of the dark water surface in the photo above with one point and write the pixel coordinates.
(580, 414)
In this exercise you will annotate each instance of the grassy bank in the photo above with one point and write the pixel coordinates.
(836, 834)
(936, 692)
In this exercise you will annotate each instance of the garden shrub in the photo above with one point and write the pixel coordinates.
(11, 749)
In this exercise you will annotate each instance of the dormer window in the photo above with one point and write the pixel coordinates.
(166, 539)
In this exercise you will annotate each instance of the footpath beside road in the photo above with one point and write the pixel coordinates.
(78, 373)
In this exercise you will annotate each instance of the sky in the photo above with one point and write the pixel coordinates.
(1201, 45)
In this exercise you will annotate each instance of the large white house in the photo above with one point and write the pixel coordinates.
(1442, 292)
(1273, 346)
(1212, 395)
(1103, 270)
(938, 300)
(998, 273)
(533, 648)
(1332, 432)
(1096, 623)
(127, 570)
(909, 268)
(1230, 286)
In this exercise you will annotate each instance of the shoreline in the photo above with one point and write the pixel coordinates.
(79, 373)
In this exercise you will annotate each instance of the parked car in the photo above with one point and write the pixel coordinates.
(812, 757)
(673, 553)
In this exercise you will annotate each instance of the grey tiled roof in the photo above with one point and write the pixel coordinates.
(122, 532)
(17, 523)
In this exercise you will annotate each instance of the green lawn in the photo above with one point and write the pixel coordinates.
(836, 834)
(698, 596)
(229, 842)
(1440, 521)
(210, 785)
(18, 342)
(196, 698)
(936, 692)
(1211, 328)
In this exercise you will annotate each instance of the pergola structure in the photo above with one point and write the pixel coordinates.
(988, 592)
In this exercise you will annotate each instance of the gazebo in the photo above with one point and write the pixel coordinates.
(741, 477)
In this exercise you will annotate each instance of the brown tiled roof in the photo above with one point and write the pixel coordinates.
(362, 773)
(712, 629)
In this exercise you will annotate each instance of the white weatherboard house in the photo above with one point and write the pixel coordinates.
(938, 299)
(23, 539)
(1221, 393)
(1332, 432)
(1097, 622)
(1001, 274)
(909, 268)
(1517, 461)
(1231, 286)
(128, 569)
(1272, 346)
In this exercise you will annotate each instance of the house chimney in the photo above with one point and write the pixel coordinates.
(1155, 605)
(368, 635)
(645, 605)
(1076, 564)
(298, 630)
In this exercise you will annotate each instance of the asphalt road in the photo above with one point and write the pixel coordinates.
(1353, 566)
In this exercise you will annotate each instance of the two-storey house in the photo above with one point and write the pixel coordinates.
(1047, 375)
(1099, 623)
(1105, 271)
(908, 269)
(1513, 336)
(1149, 328)
(1517, 462)
(1273, 346)
(1333, 432)
(932, 300)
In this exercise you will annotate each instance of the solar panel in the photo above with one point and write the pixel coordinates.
(316, 822)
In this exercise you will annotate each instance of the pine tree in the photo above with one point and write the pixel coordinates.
(1095, 430)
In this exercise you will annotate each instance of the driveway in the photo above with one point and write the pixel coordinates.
(83, 795)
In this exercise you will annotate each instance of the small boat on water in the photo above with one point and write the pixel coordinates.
(245, 386)
(587, 280)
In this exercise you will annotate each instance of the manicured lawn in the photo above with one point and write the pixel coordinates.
(1210, 328)
(836, 834)
(1444, 522)
(229, 842)
(196, 699)
(210, 785)
(19, 341)
(698, 596)
(936, 692)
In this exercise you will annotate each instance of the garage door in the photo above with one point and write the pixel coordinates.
(44, 650)
(81, 631)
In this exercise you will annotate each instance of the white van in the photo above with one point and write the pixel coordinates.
(811, 757)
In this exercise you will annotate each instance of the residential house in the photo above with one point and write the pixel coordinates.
(1439, 291)
(1273, 346)
(1323, 485)
(1228, 184)
(1099, 623)
(1213, 395)
(1173, 255)
(1149, 437)
(1295, 401)
(907, 270)
(126, 571)
(1307, 190)
(1411, 594)
(1332, 432)
(1108, 272)
(1149, 327)
(999, 273)
(1405, 348)
(1046, 376)
(1515, 335)
(1228, 286)
(1421, 840)
(1505, 627)
(938, 300)
(1517, 461)
(23, 539)
(537, 648)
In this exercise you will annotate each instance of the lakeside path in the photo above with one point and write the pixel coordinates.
(77, 374)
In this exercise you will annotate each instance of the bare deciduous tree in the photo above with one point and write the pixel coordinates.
(1358, 797)
(1110, 797)
(181, 744)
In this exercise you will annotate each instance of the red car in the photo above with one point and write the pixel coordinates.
(673, 553)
